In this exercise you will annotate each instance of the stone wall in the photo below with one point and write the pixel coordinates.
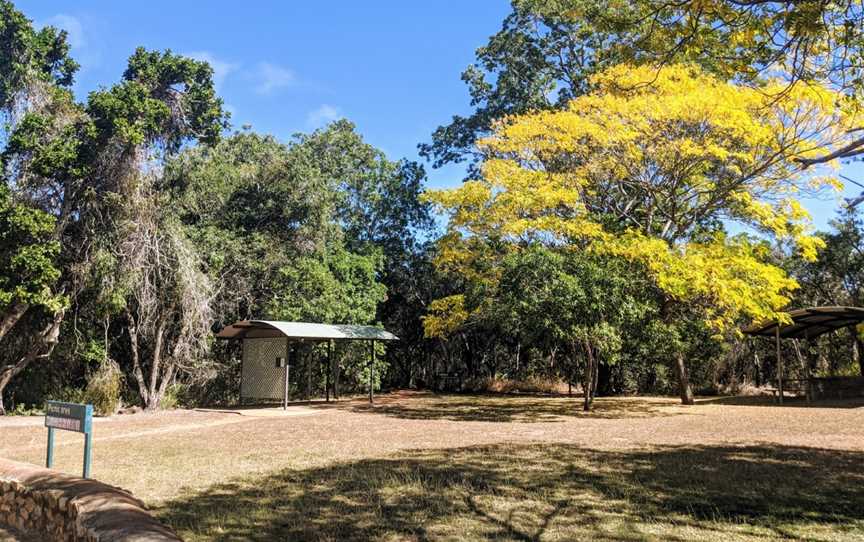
(57, 506)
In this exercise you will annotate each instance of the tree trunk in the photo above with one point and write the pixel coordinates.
(154, 392)
(41, 349)
(757, 370)
(680, 366)
(683, 380)
(6, 374)
(11, 317)
(518, 355)
(132, 329)
(858, 352)
(590, 375)
(163, 386)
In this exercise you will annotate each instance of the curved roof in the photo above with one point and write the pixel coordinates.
(303, 330)
(810, 323)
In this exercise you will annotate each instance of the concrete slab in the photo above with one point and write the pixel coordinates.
(267, 412)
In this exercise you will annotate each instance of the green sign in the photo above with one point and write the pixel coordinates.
(69, 417)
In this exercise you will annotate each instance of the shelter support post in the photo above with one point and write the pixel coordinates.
(805, 364)
(779, 366)
(371, 370)
(338, 361)
(329, 368)
(287, 374)
(285, 391)
(309, 357)
(242, 360)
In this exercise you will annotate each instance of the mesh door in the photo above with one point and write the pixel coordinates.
(261, 379)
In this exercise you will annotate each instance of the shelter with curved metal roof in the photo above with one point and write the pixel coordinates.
(809, 323)
(272, 350)
(304, 331)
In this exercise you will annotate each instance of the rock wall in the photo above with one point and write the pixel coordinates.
(57, 506)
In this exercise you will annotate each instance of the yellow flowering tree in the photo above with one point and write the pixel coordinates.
(649, 166)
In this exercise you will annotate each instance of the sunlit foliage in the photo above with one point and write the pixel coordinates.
(648, 166)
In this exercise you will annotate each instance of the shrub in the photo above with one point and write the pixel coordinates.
(219, 385)
(104, 388)
(505, 385)
(22, 409)
(71, 395)
(175, 396)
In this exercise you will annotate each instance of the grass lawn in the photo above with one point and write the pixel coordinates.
(426, 467)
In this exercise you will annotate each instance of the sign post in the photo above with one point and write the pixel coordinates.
(69, 417)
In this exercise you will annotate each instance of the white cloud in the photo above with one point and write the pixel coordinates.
(322, 115)
(81, 47)
(73, 27)
(221, 68)
(272, 78)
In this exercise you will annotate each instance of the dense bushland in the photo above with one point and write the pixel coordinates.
(589, 248)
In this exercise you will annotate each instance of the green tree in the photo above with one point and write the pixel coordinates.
(540, 59)
(35, 72)
(28, 272)
(837, 276)
(546, 52)
(297, 231)
(647, 172)
(30, 59)
(85, 164)
(267, 219)
(570, 305)
(577, 303)
(378, 205)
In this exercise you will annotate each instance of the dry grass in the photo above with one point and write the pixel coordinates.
(503, 385)
(425, 467)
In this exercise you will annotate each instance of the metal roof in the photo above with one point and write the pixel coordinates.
(304, 330)
(810, 323)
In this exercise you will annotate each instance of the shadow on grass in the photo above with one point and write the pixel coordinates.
(548, 492)
(513, 408)
(767, 400)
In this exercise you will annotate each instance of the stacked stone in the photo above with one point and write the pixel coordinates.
(54, 506)
(47, 512)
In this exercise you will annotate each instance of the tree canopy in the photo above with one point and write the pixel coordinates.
(648, 167)
(635, 177)
(649, 172)
(546, 52)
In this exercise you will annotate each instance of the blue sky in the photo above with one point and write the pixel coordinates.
(392, 67)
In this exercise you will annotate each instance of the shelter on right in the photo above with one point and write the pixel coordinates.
(808, 324)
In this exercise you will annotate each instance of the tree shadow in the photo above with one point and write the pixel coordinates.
(542, 491)
(796, 402)
(515, 408)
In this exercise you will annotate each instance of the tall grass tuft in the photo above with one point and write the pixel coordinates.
(505, 385)
(104, 388)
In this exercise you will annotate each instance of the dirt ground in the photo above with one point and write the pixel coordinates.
(189, 465)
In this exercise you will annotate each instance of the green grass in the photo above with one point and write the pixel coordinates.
(543, 492)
